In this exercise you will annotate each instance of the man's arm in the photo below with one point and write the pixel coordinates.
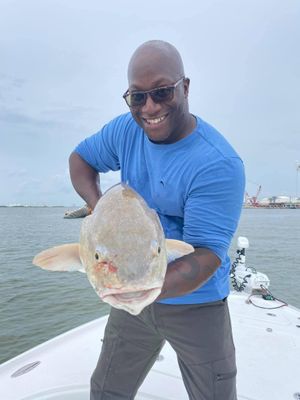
(85, 179)
(188, 273)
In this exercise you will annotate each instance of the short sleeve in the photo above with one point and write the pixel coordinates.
(101, 150)
(213, 206)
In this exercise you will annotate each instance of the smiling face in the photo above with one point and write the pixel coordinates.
(157, 64)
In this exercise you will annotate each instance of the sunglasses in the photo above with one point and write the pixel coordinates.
(158, 95)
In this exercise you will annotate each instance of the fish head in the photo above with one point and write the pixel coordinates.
(122, 246)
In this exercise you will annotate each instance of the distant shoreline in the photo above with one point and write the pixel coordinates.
(24, 206)
(274, 206)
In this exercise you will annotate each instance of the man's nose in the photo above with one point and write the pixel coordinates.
(150, 106)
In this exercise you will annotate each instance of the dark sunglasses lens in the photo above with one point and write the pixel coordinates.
(136, 99)
(163, 94)
(159, 95)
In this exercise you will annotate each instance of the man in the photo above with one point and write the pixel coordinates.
(192, 177)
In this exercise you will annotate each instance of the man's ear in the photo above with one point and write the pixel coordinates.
(186, 86)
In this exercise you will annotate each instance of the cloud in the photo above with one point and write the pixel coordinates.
(52, 189)
(11, 116)
(60, 85)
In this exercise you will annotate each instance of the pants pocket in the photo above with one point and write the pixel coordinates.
(225, 379)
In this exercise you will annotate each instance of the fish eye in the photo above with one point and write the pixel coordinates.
(155, 248)
(97, 256)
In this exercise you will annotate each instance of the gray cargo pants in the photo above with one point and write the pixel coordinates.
(199, 333)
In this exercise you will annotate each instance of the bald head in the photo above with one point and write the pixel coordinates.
(155, 57)
(157, 82)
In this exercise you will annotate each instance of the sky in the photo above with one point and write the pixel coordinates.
(63, 70)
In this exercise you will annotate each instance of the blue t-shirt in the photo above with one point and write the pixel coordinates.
(196, 185)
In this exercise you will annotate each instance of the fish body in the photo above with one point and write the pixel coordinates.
(122, 249)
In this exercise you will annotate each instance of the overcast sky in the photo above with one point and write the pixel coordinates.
(63, 72)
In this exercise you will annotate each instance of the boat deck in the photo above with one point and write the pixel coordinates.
(268, 356)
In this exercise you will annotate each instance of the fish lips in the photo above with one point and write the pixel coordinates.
(131, 301)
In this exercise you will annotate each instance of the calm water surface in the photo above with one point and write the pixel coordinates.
(36, 305)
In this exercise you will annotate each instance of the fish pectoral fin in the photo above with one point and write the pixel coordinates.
(177, 249)
(60, 258)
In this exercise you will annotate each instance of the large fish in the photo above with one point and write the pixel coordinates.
(122, 249)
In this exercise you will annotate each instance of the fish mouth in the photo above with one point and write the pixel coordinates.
(133, 296)
(130, 297)
(131, 301)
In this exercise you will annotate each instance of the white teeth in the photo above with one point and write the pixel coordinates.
(155, 120)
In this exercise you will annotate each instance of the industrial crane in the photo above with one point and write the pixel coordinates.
(253, 200)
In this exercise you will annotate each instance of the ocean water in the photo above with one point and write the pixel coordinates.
(36, 305)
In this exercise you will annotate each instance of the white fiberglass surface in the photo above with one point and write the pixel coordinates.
(263, 336)
(82, 393)
(65, 393)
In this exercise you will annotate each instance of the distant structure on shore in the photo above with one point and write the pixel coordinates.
(282, 201)
(273, 202)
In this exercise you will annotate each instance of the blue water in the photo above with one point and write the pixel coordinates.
(36, 305)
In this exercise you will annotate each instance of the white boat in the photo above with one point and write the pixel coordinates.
(267, 338)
